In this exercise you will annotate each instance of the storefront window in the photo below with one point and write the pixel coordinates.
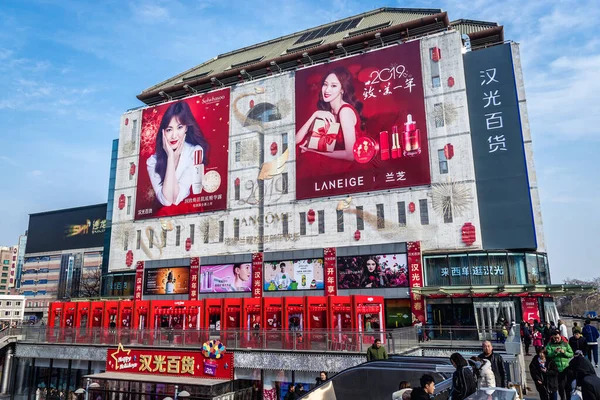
(128, 285)
(499, 272)
(460, 273)
(533, 275)
(542, 269)
(397, 313)
(516, 267)
(275, 383)
(480, 269)
(437, 272)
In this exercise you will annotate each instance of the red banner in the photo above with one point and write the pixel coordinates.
(139, 280)
(194, 269)
(330, 271)
(531, 310)
(415, 279)
(257, 270)
(169, 362)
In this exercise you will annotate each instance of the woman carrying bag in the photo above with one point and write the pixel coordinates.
(544, 373)
(464, 382)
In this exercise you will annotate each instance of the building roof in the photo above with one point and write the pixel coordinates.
(355, 33)
(68, 209)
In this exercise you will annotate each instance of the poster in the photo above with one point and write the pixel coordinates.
(415, 262)
(226, 278)
(531, 310)
(167, 281)
(293, 275)
(183, 157)
(375, 271)
(360, 124)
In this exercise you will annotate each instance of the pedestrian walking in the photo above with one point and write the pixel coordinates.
(496, 361)
(578, 342)
(538, 340)
(544, 373)
(526, 338)
(291, 394)
(591, 336)
(560, 352)
(464, 383)
(376, 351)
(583, 372)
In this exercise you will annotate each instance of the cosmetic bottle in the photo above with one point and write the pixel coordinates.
(198, 172)
(384, 145)
(396, 142)
(411, 139)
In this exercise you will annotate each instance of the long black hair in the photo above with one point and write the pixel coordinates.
(349, 96)
(458, 360)
(194, 136)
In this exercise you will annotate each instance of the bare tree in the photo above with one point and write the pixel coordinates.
(90, 283)
(579, 303)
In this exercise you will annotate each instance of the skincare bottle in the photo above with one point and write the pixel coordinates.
(198, 172)
(411, 138)
(384, 145)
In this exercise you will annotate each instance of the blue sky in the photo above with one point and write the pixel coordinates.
(69, 69)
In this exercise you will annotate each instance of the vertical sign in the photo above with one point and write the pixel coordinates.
(531, 311)
(415, 279)
(504, 199)
(139, 280)
(330, 271)
(257, 271)
(194, 268)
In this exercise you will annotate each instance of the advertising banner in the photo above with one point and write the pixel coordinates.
(294, 275)
(417, 302)
(531, 310)
(330, 271)
(374, 271)
(226, 278)
(257, 267)
(170, 363)
(167, 281)
(139, 280)
(184, 157)
(194, 272)
(503, 196)
(360, 124)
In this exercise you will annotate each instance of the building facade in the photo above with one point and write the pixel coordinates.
(8, 262)
(12, 309)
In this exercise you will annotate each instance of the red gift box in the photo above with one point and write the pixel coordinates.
(323, 135)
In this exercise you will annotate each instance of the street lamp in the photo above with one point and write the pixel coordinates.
(586, 300)
(89, 385)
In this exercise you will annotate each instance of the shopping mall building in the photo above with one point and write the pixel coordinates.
(359, 176)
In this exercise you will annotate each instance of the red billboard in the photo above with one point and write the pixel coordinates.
(361, 124)
(183, 157)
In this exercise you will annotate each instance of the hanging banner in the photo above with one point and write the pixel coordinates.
(257, 270)
(531, 310)
(194, 269)
(330, 265)
(139, 280)
(417, 303)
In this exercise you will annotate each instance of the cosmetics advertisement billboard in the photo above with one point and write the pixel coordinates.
(184, 156)
(293, 275)
(361, 124)
(374, 271)
(226, 278)
(161, 281)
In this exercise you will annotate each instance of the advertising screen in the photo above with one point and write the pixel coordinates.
(75, 228)
(293, 275)
(226, 278)
(167, 281)
(360, 124)
(376, 271)
(183, 157)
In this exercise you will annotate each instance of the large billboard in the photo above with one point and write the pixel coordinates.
(183, 157)
(168, 280)
(361, 124)
(70, 229)
(293, 275)
(374, 271)
(226, 278)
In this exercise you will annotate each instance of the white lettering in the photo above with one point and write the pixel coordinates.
(340, 183)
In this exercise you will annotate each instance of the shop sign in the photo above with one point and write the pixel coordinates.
(139, 280)
(415, 279)
(170, 363)
(257, 280)
(194, 268)
(531, 311)
(330, 271)
(476, 270)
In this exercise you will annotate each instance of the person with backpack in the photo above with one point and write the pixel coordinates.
(590, 333)
(464, 383)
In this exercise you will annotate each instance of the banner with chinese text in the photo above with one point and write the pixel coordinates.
(257, 269)
(139, 280)
(194, 270)
(417, 303)
(330, 265)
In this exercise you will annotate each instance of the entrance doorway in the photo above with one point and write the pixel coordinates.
(489, 314)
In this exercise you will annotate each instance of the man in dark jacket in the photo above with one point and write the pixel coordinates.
(591, 334)
(583, 371)
(376, 352)
(425, 392)
(496, 361)
(291, 394)
(578, 342)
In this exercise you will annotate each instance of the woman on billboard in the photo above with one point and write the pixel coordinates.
(372, 275)
(337, 104)
(181, 152)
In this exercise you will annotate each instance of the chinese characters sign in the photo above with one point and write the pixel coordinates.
(500, 167)
(139, 280)
(169, 362)
(360, 124)
(194, 270)
(257, 281)
(415, 273)
(531, 310)
(481, 270)
(330, 271)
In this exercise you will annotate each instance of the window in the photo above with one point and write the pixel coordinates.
(380, 217)
(7, 313)
(128, 205)
(340, 220)
(238, 151)
(9, 303)
(177, 235)
(151, 244)
(436, 81)
(205, 231)
(435, 67)
(284, 224)
(5, 274)
(360, 222)
(138, 239)
(192, 229)
(126, 240)
(164, 238)
(303, 223)
(321, 214)
(284, 142)
(221, 231)
(284, 183)
(133, 132)
(443, 162)
(236, 192)
(236, 228)
(401, 213)
(438, 115)
(448, 209)
(17, 313)
(3, 281)
(424, 212)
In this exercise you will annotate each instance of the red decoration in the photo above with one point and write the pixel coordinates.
(330, 264)
(188, 244)
(237, 182)
(139, 280)
(129, 258)
(450, 82)
(310, 216)
(357, 235)
(273, 148)
(411, 207)
(257, 280)
(436, 54)
(121, 202)
(194, 269)
(468, 234)
(251, 103)
(449, 151)
(132, 169)
(415, 280)
(126, 121)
